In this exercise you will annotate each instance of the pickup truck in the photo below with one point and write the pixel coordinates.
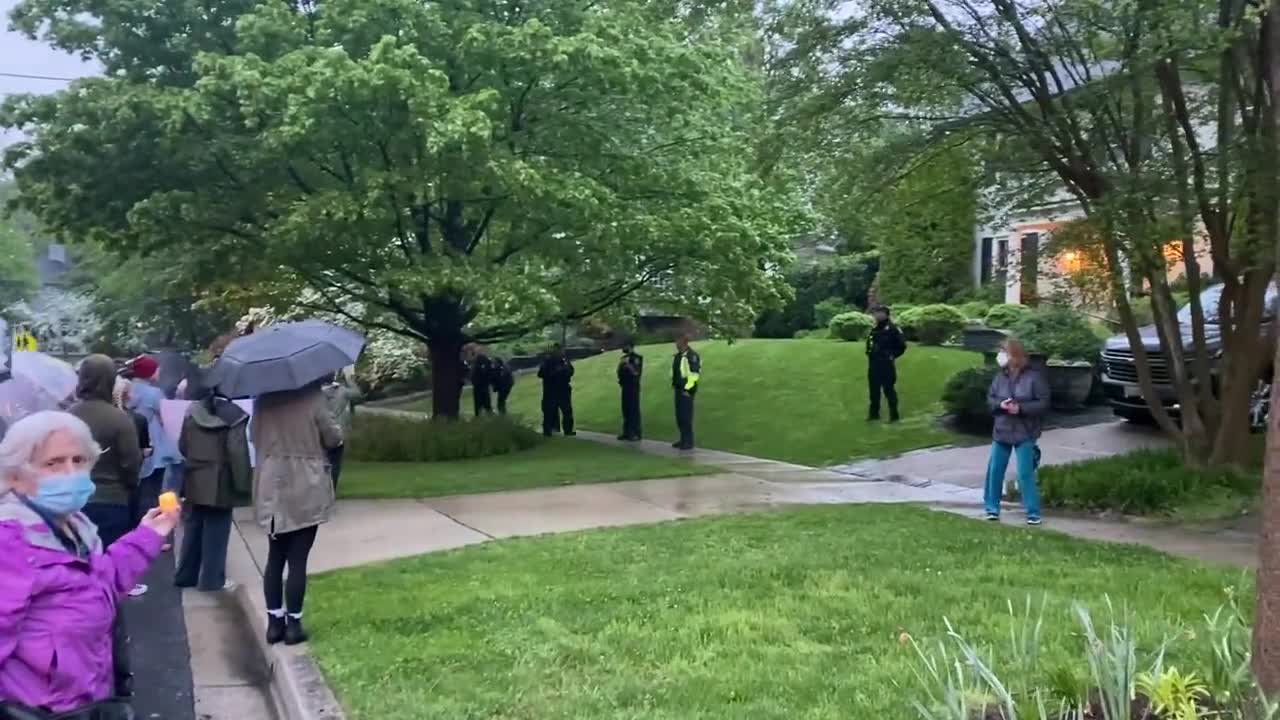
(1120, 371)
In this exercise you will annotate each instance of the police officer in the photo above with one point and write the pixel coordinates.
(885, 345)
(503, 381)
(481, 379)
(630, 368)
(556, 373)
(686, 368)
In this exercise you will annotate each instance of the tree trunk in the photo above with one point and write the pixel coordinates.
(1266, 628)
(446, 377)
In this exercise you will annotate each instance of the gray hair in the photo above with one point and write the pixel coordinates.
(26, 436)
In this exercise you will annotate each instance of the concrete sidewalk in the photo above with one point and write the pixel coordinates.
(967, 466)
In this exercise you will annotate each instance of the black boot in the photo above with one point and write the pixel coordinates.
(294, 634)
(275, 629)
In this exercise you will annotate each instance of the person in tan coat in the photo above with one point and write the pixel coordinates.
(293, 495)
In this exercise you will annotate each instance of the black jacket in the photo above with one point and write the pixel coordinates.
(482, 371)
(686, 370)
(885, 344)
(556, 373)
(630, 368)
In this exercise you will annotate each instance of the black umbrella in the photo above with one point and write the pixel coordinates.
(284, 357)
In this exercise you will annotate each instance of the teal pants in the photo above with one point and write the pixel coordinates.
(1025, 455)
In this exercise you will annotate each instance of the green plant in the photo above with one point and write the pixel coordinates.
(818, 334)
(1112, 660)
(852, 326)
(383, 438)
(828, 309)
(1005, 316)
(975, 310)
(1060, 333)
(933, 324)
(1173, 695)
(965, 397)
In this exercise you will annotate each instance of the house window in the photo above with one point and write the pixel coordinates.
(1002, 262)
(984, 275)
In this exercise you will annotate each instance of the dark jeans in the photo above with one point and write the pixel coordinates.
(883, 379)
(148, 494)
(557, 411)
(631, 411)
(503, 394)
(114, 522)
(291, 549)
(684, 417)
(335, 464)
(202, 563)
(483, 400)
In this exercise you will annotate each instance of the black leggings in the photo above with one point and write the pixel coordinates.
(291, 548)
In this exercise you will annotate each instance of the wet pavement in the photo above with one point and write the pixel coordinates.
(158, 648)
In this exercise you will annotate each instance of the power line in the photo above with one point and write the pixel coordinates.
(25, 76)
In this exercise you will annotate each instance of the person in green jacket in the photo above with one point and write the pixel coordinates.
(219, 477)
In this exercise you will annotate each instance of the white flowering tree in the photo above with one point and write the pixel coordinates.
(63, 321)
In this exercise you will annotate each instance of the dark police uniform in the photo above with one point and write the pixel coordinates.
(503, 381)
(630, 368)
(686, 369)
(885, 345)
(557, 395)
(481, 379)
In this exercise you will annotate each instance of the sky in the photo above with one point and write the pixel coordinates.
(28, 57)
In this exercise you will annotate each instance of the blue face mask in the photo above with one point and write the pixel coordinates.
(64, 494)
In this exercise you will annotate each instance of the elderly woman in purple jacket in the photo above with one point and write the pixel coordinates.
(1019, 399)
(59, 586)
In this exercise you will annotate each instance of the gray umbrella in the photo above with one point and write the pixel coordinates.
(283, 357)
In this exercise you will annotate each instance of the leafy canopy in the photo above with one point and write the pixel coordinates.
(456, 169)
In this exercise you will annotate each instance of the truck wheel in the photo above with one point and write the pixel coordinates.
(1260, 406)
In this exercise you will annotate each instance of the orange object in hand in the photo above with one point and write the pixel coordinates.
(168, 501)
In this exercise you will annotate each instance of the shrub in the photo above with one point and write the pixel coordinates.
(819, 334)
(975, 310)
(1147, 482)
(933, 324)
(965, 397)
(1005, 316)
(825, 311)
(852, 326)
(844, 277)
(1060, 333)
(386, 438)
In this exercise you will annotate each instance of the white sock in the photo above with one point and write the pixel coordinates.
(276, 613)
(295, 616)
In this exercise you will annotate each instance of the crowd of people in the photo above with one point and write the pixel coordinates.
(81, 520)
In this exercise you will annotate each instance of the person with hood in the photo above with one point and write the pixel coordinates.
(218, 477)
(556, 373)
(1019, 399)
(61, 583)
(115, 479)
(342, 394)
(293, 495)
(885, 345)
(145, 400)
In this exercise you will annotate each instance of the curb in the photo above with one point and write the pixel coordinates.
(298, 688)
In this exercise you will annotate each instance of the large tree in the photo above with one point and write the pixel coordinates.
(458, 170)
(1152, 116)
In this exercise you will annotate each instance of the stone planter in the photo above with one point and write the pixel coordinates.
(980, 338)
(1070, 383)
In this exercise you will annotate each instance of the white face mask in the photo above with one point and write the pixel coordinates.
(1002, 359)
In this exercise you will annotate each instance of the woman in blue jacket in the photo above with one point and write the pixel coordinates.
(1019, 399)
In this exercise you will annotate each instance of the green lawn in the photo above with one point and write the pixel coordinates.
(557, 462)
(800, 401)
(768, 616)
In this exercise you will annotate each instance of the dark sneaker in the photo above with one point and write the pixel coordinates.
(294, 634)
(571, 434)
(275, 629)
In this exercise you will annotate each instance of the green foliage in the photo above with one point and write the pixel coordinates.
(381, 438)
(1005, 315)
(852, 326)
(18, 277)
(1060, 333)
(825, 311)
(1148, 482)
(933, 324)
(818, 334)
(1174, 695)
(965, 397)
(453, 171)
(843, 279)
(975, 310)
